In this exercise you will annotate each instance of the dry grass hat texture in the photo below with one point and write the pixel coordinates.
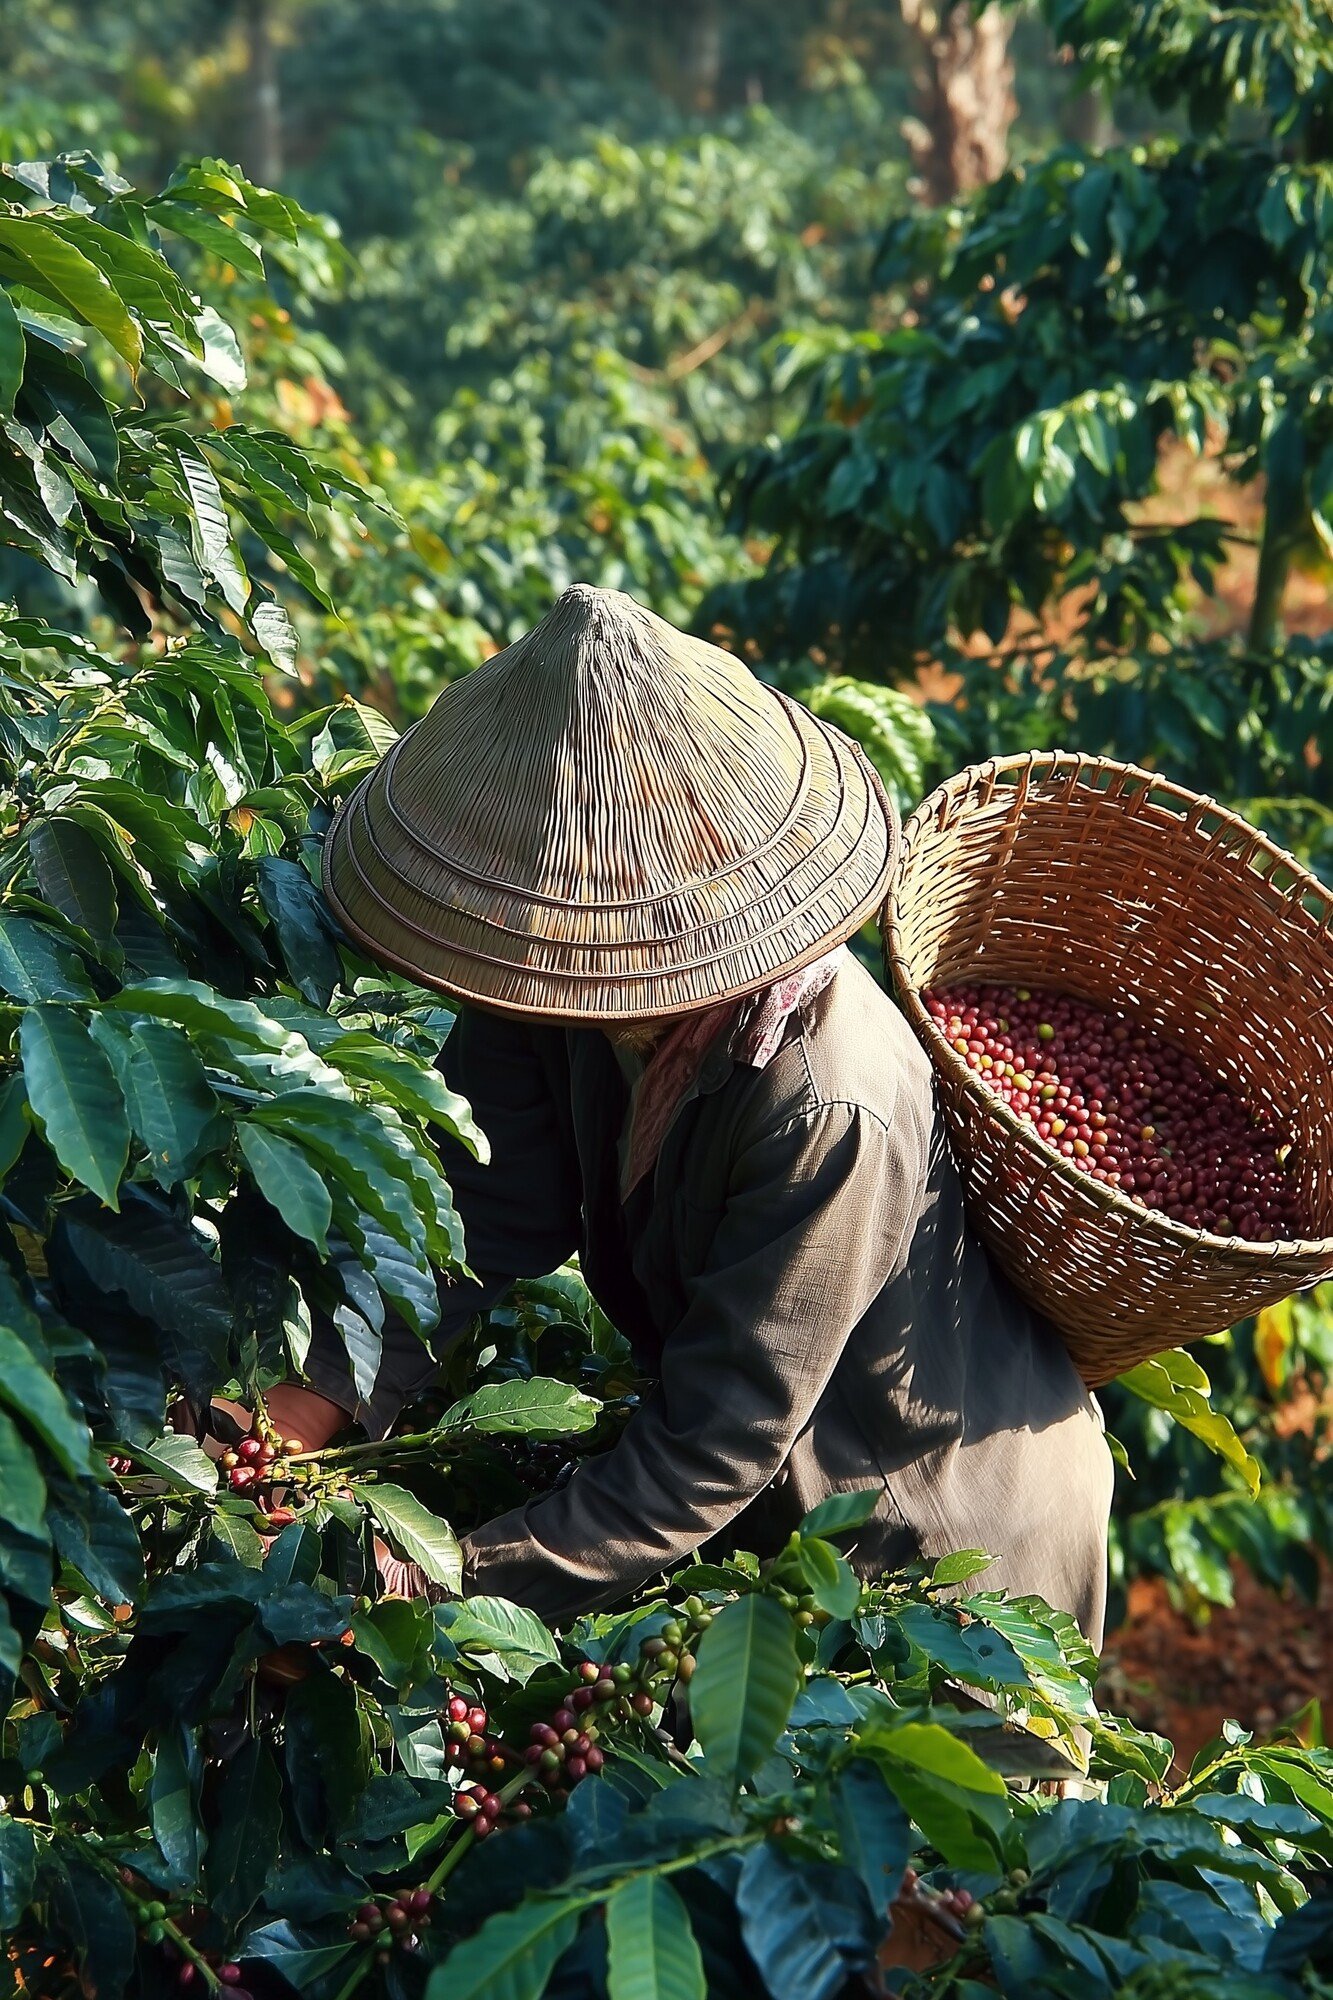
(610, 820)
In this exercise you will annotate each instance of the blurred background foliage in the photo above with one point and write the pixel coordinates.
(967, 372)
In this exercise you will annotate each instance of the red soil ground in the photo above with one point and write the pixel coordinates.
(1262, 1661)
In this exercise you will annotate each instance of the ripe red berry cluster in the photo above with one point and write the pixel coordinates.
(960, 1904)
(257, 1464)
(395, 1919)
(467, 1738)
(1127, 1107)
(567, 1748)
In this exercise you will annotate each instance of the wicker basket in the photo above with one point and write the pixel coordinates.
(1106, 882)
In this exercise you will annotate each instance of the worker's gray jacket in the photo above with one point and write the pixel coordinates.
(798, 1275)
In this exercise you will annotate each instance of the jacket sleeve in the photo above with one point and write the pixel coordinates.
(520, 1213)
(814, 1225)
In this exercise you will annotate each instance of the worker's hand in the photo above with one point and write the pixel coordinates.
(294, 1411)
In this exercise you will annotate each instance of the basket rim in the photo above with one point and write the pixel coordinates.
(1043, 763)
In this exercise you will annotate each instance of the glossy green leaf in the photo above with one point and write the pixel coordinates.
(842, 1511)
(177, 1458)
(27, 1387)
(512, 1956)
(829, 1577)
(159, 1266)
(744, 1685)
(18, 1870)
(959, 1567)
(243, 1844)
(96, 1537)
(11, 355)
(808, 1926)
(288, 1182)
(173, 1802)
(214, 548)
(417, 1534)
(652, 1954)
(927, 1747)
(1177, 1384)
(415, 1087)
(493, 1630)
(75, 1098)
(34, 254)
(297, 912)
(75, 877)
(36, 965)
(874, 1836)
(14, 1122)
(535, 1407)
(171, 1104)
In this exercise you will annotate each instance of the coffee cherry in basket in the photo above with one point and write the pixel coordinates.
(1128, 1107)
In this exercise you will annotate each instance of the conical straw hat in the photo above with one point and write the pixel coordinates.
(610, 820)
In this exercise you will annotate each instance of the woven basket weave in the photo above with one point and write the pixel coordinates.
(1106, 882)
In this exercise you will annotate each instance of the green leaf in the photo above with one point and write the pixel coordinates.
(1174, 1382)
(416, 1087)
(807, 1926)
(958, 1567)
(36, 965)
(495, 1630)
(744, 1685)
(21, 1482)
(538, 1407)
(842, 1511)
(203, 1012)
(18, 1871)
(214, 549)
(275, 632)
(14, 1122)
(828, 1575)
(926, 1746)
(96, 1537)
(171, 1104)
(28, 1388)
(303, 1968)
(288, 1182)
(158, 1264)
(358, 1153)
(177, 1458)
(173, 1803)
(75, 878)
(512, 1956)
(874, 1837)
(11, 355)
(652, 1954)
(297, 912)
(35, 255)
(75, 1098)
(417, 1534)
(243, 1845)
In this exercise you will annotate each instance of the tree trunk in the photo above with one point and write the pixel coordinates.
(264, 106)
(965, 94)
(701, 61)
(1270, 586)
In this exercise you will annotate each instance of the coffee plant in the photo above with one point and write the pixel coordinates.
(980, 482)
(230, 1762)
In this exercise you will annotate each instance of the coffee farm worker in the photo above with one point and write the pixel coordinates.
(636, 866)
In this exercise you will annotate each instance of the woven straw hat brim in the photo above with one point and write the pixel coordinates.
(548, 896)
